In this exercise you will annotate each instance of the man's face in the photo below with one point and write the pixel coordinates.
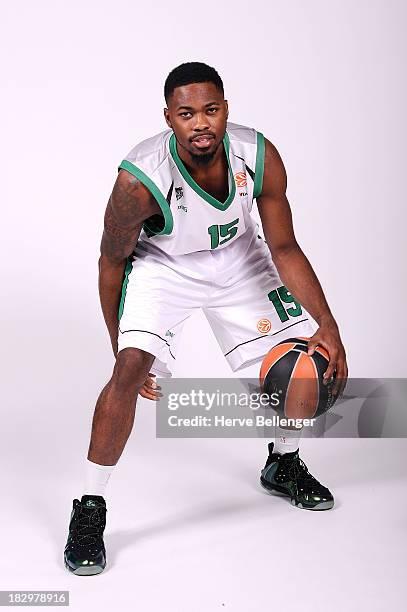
(197, 113)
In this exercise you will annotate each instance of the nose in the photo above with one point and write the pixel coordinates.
(201, 122)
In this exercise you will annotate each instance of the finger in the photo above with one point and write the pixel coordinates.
(151, 395)
(150, 390)
(340, 374)
(312, 344)
(150, 378)
(344, 380)
(152, 384)
(331, 365)
(340, 380)
(336, 387)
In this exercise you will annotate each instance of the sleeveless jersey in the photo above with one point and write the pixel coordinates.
(192, 220)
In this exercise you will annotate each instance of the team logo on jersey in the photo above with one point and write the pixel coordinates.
(179, 192)
(241, 179)
(182, 207)
(264, 326)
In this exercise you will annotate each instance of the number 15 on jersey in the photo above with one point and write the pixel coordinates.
(226, 232)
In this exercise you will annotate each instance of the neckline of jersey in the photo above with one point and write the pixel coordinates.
(192, 183)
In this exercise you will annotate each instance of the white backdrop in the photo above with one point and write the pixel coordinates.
(81, 83)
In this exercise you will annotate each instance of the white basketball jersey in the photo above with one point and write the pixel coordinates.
(193, 220)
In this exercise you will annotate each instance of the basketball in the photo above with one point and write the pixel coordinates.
(297, 378)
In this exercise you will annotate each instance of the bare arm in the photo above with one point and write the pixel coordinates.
(293, 266)
(129, 205)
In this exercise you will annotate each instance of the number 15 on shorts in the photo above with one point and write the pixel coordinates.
(284, 303)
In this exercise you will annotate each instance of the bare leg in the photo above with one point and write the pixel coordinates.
(115, 408)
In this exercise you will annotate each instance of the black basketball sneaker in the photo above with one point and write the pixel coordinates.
(85, 552)
(287, 474)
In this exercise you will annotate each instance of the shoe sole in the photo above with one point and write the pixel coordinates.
(274, 489)
(85, 571)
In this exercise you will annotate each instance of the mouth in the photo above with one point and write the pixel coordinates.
(203, 141)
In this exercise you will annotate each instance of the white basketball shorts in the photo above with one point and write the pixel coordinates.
(237, 287)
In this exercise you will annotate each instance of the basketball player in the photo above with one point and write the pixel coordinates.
(178, 236)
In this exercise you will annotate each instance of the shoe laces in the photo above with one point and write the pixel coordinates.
(300, 475)
(90, 524)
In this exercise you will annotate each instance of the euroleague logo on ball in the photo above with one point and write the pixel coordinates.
(264, 326)
(240, 178)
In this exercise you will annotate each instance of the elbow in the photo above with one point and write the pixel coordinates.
(284, 251)
(111, 261)
(113, 253)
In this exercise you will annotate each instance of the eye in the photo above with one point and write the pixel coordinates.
(184, 114)
(212, 110)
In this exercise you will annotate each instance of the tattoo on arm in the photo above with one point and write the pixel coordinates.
(122, 221)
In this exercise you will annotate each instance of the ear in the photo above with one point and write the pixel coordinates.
(167, 117)
(227, 109)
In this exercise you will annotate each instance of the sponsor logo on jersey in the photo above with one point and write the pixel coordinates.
(182, 207)
(264, 326)
(243, 193)
(169, 333)
(179, 192)
(240, 178)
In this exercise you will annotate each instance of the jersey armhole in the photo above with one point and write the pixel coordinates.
(159, 197)
(259, 167)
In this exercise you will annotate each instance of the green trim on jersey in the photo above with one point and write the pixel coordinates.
(201, 192)
(259, 169)
(161, 201)
(128, 269)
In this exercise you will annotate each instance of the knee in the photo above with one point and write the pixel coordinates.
(131, 368)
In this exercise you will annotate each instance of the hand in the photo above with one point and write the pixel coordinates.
(150, 389)
(327, 336)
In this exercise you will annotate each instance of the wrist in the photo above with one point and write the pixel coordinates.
(326, 320)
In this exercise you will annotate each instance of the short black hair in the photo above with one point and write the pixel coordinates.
(191, 72)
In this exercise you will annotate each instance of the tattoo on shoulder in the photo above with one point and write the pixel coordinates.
(124, 200)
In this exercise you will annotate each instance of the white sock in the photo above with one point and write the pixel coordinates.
(286, 440)
(96, 478)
